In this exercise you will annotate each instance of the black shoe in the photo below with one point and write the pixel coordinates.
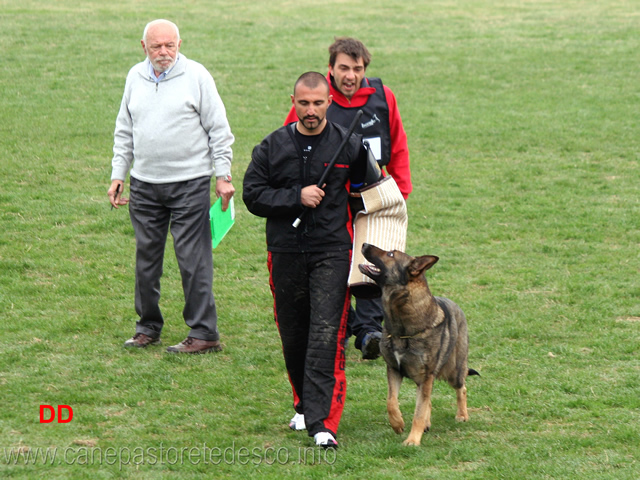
(371, 345)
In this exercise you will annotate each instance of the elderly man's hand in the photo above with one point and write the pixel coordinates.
(225, 190)
(115, 194)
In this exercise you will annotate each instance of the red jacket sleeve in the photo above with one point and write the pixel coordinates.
(292, 117)
(398, 166)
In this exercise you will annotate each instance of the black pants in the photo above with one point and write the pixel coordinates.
(311, 307)
(183, 207)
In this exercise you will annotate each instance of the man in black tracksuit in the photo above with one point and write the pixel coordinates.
(309, 264)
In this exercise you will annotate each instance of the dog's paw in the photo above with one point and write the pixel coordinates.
(462, 418)
(397, 423)
(398, 429)
(411, 442)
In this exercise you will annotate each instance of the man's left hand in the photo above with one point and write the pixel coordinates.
(225, 190)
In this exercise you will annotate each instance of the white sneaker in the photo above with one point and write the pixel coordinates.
(297, 422)
(325, 440)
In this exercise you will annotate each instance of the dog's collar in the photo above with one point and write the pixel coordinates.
(406, 336)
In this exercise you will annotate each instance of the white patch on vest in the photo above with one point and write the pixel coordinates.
(375, 144)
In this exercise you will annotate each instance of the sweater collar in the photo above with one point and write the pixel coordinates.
(177, 69)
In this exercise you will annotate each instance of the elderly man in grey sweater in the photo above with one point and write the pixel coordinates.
(172, 134)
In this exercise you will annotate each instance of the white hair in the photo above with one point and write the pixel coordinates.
(156, 22)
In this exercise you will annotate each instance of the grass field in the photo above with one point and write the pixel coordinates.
(523, 127)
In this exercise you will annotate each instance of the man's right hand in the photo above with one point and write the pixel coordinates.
(311, 196)
(116, 199)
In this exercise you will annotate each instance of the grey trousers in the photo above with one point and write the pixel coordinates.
(182, 207)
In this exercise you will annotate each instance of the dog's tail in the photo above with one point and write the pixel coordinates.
(472, 372)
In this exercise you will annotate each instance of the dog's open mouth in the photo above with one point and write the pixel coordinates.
(369, 270)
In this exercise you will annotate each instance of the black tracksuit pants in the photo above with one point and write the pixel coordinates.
(311, 307)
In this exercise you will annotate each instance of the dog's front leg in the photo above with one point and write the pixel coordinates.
(422, 415)
(394, 380)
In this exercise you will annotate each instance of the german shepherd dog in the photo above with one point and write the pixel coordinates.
(423, 338)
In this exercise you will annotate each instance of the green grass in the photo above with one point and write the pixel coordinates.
(522, 119)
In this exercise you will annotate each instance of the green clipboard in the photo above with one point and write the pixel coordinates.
(221, 222)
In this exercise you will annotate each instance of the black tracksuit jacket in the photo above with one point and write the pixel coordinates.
(277, 174)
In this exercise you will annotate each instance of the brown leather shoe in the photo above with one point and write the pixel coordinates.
(195, 345)
(140, 340)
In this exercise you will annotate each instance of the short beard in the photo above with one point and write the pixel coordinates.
(318, 123)
(159, 68)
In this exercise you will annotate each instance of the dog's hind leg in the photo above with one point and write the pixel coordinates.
(461, 397)
(394, 380)
(422, 415)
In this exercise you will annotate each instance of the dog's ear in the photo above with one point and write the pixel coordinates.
(421, 264)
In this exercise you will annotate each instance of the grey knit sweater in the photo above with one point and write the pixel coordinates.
(174, 130)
